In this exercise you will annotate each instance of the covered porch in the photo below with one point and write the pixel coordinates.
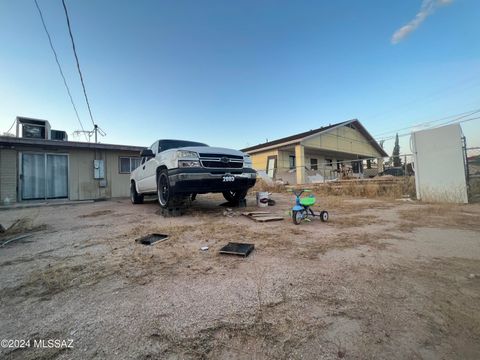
(300, 164)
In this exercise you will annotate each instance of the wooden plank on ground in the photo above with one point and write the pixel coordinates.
(262, 216)
(267, 218)
(252, 213)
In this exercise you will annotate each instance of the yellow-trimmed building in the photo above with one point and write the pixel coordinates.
(321, 152)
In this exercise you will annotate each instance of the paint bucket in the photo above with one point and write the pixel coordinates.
(262, 199)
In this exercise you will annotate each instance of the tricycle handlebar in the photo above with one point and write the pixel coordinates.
(300, 191)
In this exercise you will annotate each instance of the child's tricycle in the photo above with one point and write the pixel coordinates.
(302, 211)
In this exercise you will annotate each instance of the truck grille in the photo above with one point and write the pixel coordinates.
(221, 161)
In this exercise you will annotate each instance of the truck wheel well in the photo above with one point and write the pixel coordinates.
(160, 168)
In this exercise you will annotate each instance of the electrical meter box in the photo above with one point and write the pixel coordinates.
(98, 169)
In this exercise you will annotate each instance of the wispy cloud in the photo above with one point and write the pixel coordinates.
(427, 9)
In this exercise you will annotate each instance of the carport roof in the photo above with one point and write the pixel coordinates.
(12, 142)
(301, 136)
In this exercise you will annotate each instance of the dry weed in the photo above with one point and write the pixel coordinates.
(389, 189)
(354, 221)
(261, 185)
(440, 215)
(19, 227)
(96, 213)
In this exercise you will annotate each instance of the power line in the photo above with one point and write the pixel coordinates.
(78, 63)
(59, 66)
(455, 121)
(14, 121)
(470, 112)
(433, 95)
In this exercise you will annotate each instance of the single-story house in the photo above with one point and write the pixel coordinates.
(33, 166)
(321, 153)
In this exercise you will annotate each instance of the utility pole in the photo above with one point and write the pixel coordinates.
(96, 130)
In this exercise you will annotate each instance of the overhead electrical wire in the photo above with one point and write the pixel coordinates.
(474, 82)
(59, 67)
(470, 112)
(456, 120)
(78, 62)
(14, 121)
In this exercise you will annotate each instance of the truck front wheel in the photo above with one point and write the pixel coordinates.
(163, 189)
(235, 196)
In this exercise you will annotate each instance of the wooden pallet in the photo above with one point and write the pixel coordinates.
(262, 216)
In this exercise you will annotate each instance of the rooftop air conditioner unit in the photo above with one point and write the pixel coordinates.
(33, 128)
(58, 135)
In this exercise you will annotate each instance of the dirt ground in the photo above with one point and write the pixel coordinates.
(383, 279)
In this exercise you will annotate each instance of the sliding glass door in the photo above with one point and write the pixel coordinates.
(57, 176)
(33, 171)
(44, 176)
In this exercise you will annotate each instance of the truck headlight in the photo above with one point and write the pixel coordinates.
(247, 161)
(187, 154)
(188, 163)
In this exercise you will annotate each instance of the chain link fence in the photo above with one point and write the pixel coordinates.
(473, 173)
(358, 176)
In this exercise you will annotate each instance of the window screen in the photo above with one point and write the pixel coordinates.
(135, 162)
(124, 165)
(128, 164)
(314, 164)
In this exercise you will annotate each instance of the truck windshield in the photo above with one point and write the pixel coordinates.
(174, 144)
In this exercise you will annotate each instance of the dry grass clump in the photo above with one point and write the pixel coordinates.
(390, 188)
(23, 225)
(340, 241)
(440, 215)
(59, 277)
(96, 213)
(261, 185)
(354, 221)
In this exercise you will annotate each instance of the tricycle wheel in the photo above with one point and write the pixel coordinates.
(324, 215)
(297, 216)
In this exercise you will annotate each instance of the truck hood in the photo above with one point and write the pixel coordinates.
(212, 150)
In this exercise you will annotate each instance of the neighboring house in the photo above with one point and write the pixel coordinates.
(34, 167)
(326, 151)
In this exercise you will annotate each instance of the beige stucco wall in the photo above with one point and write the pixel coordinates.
(8, 176)
(259, 160)
(343, 139)
(81, 184)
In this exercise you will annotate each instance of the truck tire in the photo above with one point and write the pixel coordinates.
(135, 197)
(235, 196)
(165, 196)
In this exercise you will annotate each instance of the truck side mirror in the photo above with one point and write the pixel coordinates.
(147, 153)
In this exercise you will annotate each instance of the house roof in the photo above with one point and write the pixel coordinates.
(10, 141)
(297, 138)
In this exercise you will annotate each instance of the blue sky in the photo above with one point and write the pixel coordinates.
(234, 73)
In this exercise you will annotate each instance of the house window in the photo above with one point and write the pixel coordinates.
(357, 167)
(291, 162)
(328, 162)
(127, 164)
(313, 164)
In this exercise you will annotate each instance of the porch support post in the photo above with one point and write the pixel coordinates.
(380, 164)
(300, 163)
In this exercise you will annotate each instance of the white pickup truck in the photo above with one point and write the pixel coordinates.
(177, 170)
